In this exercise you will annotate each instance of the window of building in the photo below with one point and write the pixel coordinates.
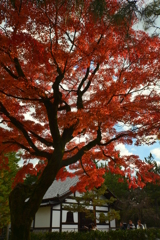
(102, 218)
(69, 218)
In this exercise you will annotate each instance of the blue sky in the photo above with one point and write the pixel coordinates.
(143, 150)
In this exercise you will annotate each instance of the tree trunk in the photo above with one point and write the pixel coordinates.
(24, 200)
(20, 231)
(21, 217)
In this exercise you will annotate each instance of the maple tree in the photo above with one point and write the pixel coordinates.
(67, 80)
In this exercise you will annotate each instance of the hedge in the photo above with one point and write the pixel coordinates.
(149, 234)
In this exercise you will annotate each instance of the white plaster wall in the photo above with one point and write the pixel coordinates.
(113, 223)
(64, 215)
(55, 230)
(75, 217)
(69, 228)
(101, 208)
(55, 218)
(56, 207)
(42, 218)
(103, 228)
(88, 207)
(97, 216)
(70, 201)
(77, 194)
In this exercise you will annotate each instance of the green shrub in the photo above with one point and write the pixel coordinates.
(149, 234)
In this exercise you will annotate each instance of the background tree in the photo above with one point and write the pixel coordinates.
(153, 194)
(140, 203)
(88, 201)
(7, 174)
(67, 80)
(116, 184)
(150, 14)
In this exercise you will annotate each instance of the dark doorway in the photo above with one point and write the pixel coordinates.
(69, 217)
(83, 221)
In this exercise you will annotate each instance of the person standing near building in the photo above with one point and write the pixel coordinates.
(131, 225)
(122, 226)
(140, 225)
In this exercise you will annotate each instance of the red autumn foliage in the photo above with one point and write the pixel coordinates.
(67, 80)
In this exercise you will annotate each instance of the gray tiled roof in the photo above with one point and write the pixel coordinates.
(60, 187)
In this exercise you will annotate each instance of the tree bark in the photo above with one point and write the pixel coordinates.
(25, 199)
(20, 230)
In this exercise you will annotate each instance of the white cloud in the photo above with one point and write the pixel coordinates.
(123, 127)
(123, 150)
(5, 127)
(156, 152)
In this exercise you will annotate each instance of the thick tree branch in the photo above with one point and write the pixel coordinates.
(43, 183)
(81, 92)
(65, 107)
(18, 68)
(57, 93)
(82, 151)
(19, 126)
(89, 82)
(68, 151)
(9, 71)
(42, 140)
(114, 139)
(83, 80)
(52, 109)
(67, 134)
(21, 98)
(37, 154)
